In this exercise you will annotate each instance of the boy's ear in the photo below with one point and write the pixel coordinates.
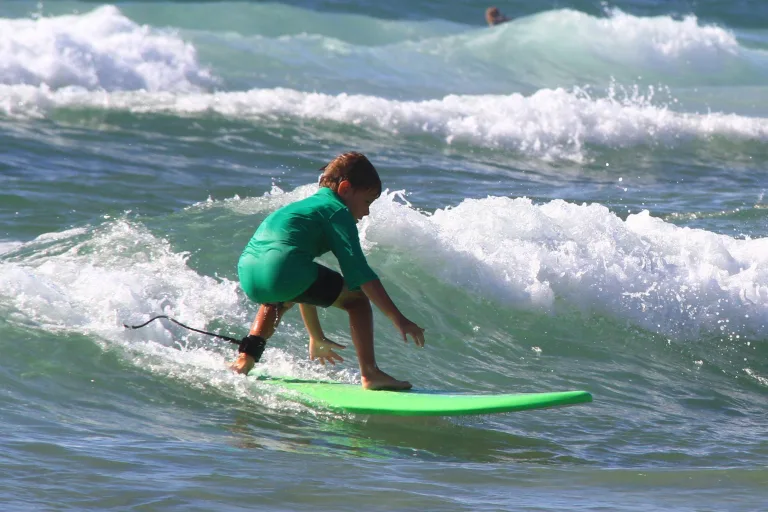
(344, 187)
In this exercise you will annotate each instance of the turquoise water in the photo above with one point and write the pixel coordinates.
(575, 200)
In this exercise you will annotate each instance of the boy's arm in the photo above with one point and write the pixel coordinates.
(320, 347)
(311, 321)
(345, 245)
(375, 291)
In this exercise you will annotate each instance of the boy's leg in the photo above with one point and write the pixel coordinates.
(268, 318)
(320, 347)
(264, 325)
(357, 305)
(311, 321)
(329, 289)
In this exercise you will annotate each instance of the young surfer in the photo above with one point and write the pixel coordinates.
(277, 270)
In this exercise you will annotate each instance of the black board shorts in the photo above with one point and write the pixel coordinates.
(324, 291)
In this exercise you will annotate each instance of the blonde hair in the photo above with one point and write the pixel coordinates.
(353, 167)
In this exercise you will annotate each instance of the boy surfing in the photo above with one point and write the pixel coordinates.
(277, 270)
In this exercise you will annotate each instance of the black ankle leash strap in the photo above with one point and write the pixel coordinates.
(252, 345)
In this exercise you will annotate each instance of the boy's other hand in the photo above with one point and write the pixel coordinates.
(406, 327)
(323, 350)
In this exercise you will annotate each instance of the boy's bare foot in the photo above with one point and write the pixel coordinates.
(243, 364)
(378, 380)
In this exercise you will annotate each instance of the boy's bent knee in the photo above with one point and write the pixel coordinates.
(353, 300)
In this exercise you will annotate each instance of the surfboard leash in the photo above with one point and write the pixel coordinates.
(252, 345)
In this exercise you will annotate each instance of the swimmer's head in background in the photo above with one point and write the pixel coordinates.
(493, 16)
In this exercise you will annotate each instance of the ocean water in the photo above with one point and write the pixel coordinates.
(574, 200)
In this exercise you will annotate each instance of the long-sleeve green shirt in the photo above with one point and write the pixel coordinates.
(277, 265)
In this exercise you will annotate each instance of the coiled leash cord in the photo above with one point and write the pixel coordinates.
(252, 345)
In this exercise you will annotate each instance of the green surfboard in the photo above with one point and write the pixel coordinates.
(352, 398)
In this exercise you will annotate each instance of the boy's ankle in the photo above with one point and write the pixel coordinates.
(253, 346)
(369, 370)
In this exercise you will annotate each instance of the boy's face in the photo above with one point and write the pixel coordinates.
(358, 201)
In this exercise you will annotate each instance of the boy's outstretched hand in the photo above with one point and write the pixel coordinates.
(407, 327)
(322, 349)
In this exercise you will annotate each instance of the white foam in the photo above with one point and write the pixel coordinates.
(92, 281)
(659, 36)
(671, 280)
(567, 47)
(101, 49)
(120, 271)
(552, 123)
(271, 200)
(8, 246)
(61, 235)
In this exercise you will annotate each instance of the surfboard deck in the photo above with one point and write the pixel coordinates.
(352, 398)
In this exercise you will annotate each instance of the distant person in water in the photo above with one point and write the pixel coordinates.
(494, 17)
(277, 270)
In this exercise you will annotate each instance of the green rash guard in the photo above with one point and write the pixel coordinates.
(278, 265)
